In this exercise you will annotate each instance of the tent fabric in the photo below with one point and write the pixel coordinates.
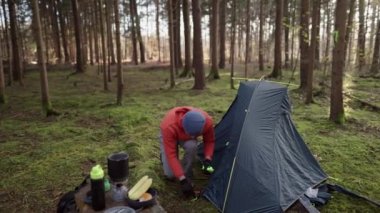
(262, 164)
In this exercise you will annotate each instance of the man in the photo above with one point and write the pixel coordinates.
(180, 127)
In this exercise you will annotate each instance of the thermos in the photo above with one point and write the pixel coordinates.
(97, 188)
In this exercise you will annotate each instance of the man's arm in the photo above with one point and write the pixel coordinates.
(209, 142)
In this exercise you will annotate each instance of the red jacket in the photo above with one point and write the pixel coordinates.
(172, 132)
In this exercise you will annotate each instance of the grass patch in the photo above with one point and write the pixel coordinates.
(42, 158)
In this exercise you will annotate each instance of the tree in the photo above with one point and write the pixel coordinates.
(62, 24)
(361, 36)
(171, 42)
(304, 42)
(199, 80)
(286, 33)
(46, 105)
(233, 38)
(111, 52)
(2, 80)
(8, 45)
(138, 31)
(80, 67)
(349, 26)
(328, 37)
(214, 72)
(222, 34)
(336, 105)
(120, 80)
(277, 48)
(15, 38)
(376, 52)
(261, 37)
(247, 36)
(186, 28)
(157, 3)
(133, 34)
(313, 44)
(177, 34)
(103, 40)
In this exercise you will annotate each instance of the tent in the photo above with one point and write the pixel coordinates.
(262, 164)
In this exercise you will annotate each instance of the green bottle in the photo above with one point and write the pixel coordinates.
(97, 188)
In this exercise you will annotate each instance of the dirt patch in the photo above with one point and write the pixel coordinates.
(94, 122)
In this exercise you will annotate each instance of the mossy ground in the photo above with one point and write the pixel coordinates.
(42, 158)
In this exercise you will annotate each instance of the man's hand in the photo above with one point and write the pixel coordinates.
(187, 188)
(207, 168)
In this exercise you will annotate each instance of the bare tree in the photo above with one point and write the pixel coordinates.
(304, 42)
(186, 28)
(222, 34)
(46, 105)
(157, 3)
(233, 38)
(361, 36)
(199, 81)
(214, 72)
(277, 47)
(8, 45)
(120, 80)
(376, 52)
(313, 44)
(2, 80)
(171, 42)
(80, 67)
(15, 38)
(336, 105)
(104, 50)
(247, 36)
(286, 33)
(261, 37)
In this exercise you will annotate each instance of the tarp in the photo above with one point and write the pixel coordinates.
(262, 163)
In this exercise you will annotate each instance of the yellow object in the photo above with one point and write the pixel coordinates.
(140, 188)
(145, 197)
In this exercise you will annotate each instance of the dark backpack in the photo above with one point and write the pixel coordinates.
(67, 202)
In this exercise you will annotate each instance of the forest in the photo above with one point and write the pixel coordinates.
(80, 79)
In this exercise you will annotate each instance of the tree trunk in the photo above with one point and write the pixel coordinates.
(138, 30)
(54, 18)
(261, 37)
(80, 67)
(349, 27)
(317, 44)
(111, 49)
(293, 32)
(186, 26)
(104, 50)
(233, 38)
(133, 35)
(90, 26)
(376, 52)
(222, 34)
(361, 37)
(277, 48)
(328, 38)
(157, 3)
(95, 31)
(247, 36)
(199, 80)
(286, 33)
(373, 28)
(62, 24)
(214, 72)
(2, 80)
(15, 38)
(8, 45)
(46, 105)
(313, 45)
(120, 81)
(171, 42)
(304, 42)
(336, 106)
(177, 34)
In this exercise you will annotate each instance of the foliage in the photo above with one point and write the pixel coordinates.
(42, 158)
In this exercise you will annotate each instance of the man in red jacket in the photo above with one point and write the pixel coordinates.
(180, 127)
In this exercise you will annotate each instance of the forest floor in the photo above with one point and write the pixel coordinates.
(42, 158)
